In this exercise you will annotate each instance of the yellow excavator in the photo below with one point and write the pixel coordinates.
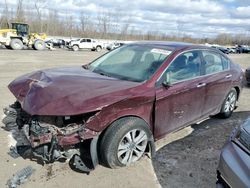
(18, 36)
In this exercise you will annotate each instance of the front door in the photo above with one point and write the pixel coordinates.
(180, 101)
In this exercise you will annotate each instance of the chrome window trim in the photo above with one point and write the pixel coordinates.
(225, 180)
(210, 50)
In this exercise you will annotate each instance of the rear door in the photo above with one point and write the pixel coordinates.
(181, 102)
(218, 80)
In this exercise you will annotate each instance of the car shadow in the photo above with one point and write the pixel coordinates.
(192, 160)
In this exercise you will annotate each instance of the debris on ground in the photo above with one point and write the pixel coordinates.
(50, 46)
(20, 177)
(13, 152)
(50, 172)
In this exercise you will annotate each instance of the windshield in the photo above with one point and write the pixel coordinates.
(21, 28)
(133, 62)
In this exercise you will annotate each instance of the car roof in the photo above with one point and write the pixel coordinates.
(171, 45)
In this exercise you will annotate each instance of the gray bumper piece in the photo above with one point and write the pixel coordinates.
(78, 164)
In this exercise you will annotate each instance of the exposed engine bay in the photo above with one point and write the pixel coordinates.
(54, 138)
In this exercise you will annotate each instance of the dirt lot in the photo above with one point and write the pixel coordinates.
(187, 158)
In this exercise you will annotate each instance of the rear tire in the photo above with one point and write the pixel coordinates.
(124, 142)
(39, 45)
(16, 44)
(98, 48)
(228, 105)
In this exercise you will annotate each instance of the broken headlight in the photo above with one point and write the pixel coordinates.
(241, 136)
(244, 138)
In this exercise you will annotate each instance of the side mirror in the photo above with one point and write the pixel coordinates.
(166, 83)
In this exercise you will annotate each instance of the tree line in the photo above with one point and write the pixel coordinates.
(104, 25)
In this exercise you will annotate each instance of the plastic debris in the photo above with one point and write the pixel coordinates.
(20, 177)
(13, 152)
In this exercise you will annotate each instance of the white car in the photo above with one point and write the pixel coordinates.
(85, 43)
(113, 46)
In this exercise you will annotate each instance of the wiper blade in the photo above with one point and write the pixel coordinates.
(104, 74)
(85, 66)
(98, 71)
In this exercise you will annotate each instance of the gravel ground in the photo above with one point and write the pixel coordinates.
(187, 158)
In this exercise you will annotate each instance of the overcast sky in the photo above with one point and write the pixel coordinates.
(198, 18)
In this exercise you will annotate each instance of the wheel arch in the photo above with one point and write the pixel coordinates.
(150, 145)
(16, 37)
(237, 91)
(126, 117)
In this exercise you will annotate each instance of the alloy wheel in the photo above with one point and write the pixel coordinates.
(230, 102)
(132, 146)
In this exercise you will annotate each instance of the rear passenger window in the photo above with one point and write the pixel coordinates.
(213, 62)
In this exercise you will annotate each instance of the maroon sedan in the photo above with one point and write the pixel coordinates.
(123, 101)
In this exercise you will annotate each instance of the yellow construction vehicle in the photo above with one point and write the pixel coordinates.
(19, 36)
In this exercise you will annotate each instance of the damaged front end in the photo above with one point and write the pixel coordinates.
(53, 138)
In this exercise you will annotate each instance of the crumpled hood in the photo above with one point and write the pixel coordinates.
(68, 91)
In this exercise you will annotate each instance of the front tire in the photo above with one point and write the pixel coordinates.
(75, 48)
(39, 45)
(229, 103)
(124, 142)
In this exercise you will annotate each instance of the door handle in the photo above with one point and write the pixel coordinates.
(201, 85)
(229, 76)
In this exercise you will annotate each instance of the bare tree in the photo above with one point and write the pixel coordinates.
(223, 39)
(20, 14)
(124, 24)
(69, 25)
(179, 27)
(4, 20)
(124, 30)
(52, 23)
(104, 23)
(39, 6)
(84, 22)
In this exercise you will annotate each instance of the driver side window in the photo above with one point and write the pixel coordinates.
(185, 66)
(83, 40)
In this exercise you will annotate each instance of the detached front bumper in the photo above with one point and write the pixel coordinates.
(234, 166)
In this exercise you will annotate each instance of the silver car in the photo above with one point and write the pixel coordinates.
(234, 166)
